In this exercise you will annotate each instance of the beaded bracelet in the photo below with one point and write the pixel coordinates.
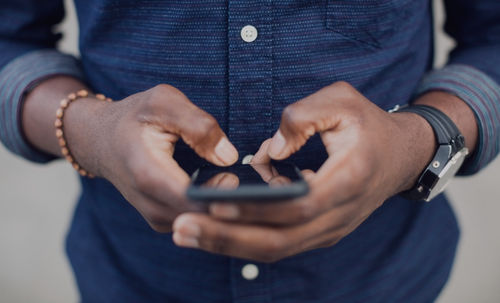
(63, 143)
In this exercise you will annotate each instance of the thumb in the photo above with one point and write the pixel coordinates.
(203, 134)
(298, 123)
(301, 120)
(278, 147)
(176, 114)
(208, 140)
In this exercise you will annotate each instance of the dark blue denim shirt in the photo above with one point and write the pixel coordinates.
(402, 253)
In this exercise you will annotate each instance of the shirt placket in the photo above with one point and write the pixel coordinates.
(249, 115)
(250, 73)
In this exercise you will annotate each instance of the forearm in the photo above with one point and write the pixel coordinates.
(39, 112)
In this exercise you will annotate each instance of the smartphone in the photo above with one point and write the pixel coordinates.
(247, 182)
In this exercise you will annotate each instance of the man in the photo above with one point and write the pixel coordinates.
(217, 79)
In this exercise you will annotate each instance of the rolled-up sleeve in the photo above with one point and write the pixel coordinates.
(27, 45)
(473, 72)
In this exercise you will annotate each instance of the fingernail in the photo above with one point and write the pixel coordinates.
(277, 145)
(225, 211)
(226, 152)
(185, 241)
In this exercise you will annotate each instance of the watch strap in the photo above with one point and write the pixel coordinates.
(445, 130)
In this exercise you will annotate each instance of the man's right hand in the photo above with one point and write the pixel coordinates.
(131, 143)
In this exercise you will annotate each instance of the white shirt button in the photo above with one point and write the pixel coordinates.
(250, 272)
(249, 33)
(247, 159)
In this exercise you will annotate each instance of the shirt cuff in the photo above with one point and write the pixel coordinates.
(18, 77)
(482, 94)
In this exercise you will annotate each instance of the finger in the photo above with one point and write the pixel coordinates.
(195, 126)
(228, 181)
(308, 174)
(262, 156)
(208, 140)
(242, 241)
(215, 180)
(254, 242)
(264, 170)
(279, 181)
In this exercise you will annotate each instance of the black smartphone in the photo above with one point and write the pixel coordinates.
(247, 182)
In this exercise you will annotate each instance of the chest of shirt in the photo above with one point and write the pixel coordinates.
(244, 61)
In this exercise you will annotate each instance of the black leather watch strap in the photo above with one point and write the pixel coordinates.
(445, 130)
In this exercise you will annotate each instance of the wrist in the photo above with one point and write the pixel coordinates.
(416, 148)
(84, 126)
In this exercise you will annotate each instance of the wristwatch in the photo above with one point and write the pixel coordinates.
(449, 157)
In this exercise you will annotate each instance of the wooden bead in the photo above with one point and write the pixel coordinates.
(69, 159)
(72, 97)
(82, 93)
(64, 151)
(109, 100)
(59, 113)
(82, 172)
(64, 103)
(76, 166)
(62, 142)
(100, 97)
(58, 123)
(59, 133)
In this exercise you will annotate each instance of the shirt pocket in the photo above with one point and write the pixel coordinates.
(369, 22)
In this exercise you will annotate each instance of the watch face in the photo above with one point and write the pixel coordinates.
(448, 172)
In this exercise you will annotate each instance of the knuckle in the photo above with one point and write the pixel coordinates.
(202, 132)
(343, 85)
(157, 220)
(162, 89)
(291, 115)
(219, 243)
(206, 123)
(274, 249)
(345, 89)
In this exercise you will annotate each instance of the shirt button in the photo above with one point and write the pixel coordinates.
(249, 33)
(250, 272)
(247, 159)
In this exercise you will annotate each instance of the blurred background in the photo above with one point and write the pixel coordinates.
(36, 205)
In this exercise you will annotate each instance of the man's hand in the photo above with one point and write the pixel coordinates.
(133, 147)
(372, 156)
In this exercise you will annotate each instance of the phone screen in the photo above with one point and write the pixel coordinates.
(271, 181)
(249, 174)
